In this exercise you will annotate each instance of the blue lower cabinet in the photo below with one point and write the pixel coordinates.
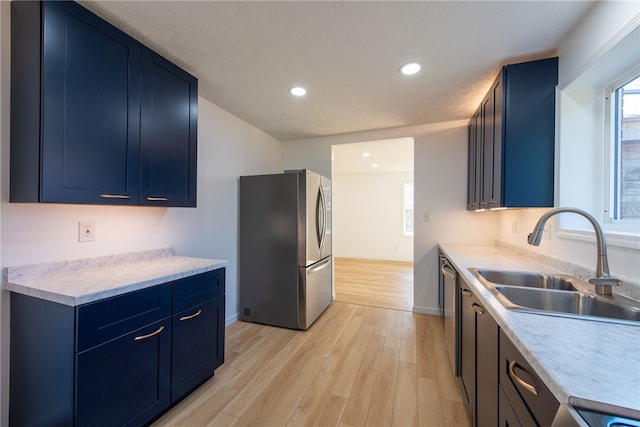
(120, 361)
(125, 381)
(198, 346)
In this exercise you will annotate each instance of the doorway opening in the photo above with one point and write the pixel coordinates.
(373, 219)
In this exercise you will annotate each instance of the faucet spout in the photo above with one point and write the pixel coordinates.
(603, 280)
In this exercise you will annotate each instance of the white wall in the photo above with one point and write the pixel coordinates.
(227, 148)
(579, 145)
(440, 174)
(367, 216)
(440, 179)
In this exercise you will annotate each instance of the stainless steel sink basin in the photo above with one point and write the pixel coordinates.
(528, 279)
(572, 303)
(556, 295)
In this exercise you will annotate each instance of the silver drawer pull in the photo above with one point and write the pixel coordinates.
(115, 196)
(144, 337)
(477, 308)
(467, 293)
(196, 314)
(158, 199)
(512, 373)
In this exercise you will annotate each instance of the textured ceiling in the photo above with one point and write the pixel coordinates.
(246, 55)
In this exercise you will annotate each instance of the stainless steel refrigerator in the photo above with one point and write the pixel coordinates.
(285, 263)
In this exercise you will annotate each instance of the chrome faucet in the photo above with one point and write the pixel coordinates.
(603, 281)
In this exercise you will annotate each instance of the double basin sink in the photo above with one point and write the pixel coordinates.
(556, 294)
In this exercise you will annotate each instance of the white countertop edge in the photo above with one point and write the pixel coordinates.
(534, 333)
(69, 284)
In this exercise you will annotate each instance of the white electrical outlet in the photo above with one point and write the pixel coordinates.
(86, 231)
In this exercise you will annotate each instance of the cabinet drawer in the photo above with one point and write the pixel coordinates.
(522, 384)
(197, 289)
(110, 318)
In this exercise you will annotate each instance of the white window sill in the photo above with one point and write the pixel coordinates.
(618, 239)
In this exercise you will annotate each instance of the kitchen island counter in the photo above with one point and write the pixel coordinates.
(87, 280)
(586, 359)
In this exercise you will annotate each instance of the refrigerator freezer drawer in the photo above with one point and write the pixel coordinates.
(314, 292)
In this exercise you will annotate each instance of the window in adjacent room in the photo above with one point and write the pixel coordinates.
(407, 209)
(623, 101)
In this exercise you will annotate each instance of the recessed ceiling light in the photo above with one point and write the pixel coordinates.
(298, 91)
(375, 165)
(366, 154)
(410, 68)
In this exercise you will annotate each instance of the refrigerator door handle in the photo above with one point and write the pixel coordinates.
(320, 218)
(319, 266)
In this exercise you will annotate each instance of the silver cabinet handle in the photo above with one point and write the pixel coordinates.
(467, 293)
(194, 315)
(448, 272)
(115, 196)
(525, 385)
(144, 337)
(158, 199)
(477, 308)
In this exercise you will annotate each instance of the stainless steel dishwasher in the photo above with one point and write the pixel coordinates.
(449, 277)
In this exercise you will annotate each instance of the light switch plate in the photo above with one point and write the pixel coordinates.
(86, 231)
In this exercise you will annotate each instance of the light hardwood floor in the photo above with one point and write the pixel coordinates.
(356, 366)
(387, 284)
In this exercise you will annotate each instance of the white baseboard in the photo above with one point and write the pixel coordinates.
(230, 319)
(426, 310)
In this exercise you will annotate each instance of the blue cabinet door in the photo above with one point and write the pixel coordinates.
(198, 345)
(125, 381)
(90, 109)
(474, 156)
(168, 133)
(529, 133)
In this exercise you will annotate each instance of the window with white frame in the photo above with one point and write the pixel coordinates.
(407, 209)
(623, 134)
(598, 152)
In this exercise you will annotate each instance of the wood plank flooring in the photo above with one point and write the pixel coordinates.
(387, 284)
(357, 365)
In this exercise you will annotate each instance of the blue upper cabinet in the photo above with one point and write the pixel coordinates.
(93, 120)
(168, 133)
(514, 139)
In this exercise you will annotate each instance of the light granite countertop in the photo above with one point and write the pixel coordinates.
(592, 360)
(86, 280)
